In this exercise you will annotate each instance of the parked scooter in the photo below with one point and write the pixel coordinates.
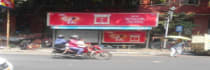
(24, 43)
(96, 52)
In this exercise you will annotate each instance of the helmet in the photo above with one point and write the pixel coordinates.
(60, 36)
(75, 36)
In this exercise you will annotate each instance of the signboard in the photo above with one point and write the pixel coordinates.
(103, 19)
(124, 36)
(197, 39)
(179, 28)
(7, 3)
(207, 42)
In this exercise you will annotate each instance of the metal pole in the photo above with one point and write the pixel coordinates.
(180, 33)
(170, 17)
(100, 37)
(8, 27)
(166, 33)
(53, 37)
(148, 39)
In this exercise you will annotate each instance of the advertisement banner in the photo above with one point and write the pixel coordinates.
(7, 3)
(103, 19)
(124, 37)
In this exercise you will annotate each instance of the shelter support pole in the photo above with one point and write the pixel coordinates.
(148, 39)
(100, 37)
(53, 37)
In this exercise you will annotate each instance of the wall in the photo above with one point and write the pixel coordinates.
(202, 24)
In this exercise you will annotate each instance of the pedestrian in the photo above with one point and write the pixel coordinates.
(177, 48)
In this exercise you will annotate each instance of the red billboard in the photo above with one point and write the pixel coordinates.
(124, 37)
(102, 19)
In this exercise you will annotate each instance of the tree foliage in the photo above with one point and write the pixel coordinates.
(183, 19)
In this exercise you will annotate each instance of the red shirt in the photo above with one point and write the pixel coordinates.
(73, 43)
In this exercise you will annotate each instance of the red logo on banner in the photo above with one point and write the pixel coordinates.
(101, 20)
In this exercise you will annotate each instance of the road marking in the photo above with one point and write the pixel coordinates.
(156, 61)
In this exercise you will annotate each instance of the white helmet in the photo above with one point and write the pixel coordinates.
(75, 36)
(60, 36)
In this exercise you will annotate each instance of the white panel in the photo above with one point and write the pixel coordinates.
(207, 42)
(89, 36)
(197, 39)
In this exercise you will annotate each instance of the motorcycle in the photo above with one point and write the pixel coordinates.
(95, 52)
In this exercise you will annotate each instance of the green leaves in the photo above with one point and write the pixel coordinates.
(183, 19)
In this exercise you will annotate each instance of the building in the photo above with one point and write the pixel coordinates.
(31, 14)
(201, 9)
(26, 9)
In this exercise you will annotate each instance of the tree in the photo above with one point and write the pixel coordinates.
(183, 19)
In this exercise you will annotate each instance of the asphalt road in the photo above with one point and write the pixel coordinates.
(37, 62)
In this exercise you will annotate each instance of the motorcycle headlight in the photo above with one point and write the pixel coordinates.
(4, 66)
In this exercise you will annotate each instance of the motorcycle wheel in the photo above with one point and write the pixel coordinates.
(55, 55)
(103, 56)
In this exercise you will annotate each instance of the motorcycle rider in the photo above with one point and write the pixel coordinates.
(60, 41)
(73, 45)
(81, 43)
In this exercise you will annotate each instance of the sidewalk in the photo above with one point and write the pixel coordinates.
(141, 52)
(115, 52)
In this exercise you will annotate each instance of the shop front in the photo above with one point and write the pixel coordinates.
(118, 30)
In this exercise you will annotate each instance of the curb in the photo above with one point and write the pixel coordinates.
(48, 52)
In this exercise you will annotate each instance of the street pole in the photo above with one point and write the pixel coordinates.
(166, 33)
(8, 28)
(170, 17)
(180, 33)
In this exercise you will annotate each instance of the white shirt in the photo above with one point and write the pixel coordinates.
(81, 44)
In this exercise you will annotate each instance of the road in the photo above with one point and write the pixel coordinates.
(40, 62)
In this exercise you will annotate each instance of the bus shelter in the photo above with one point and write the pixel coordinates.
(104, 28)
